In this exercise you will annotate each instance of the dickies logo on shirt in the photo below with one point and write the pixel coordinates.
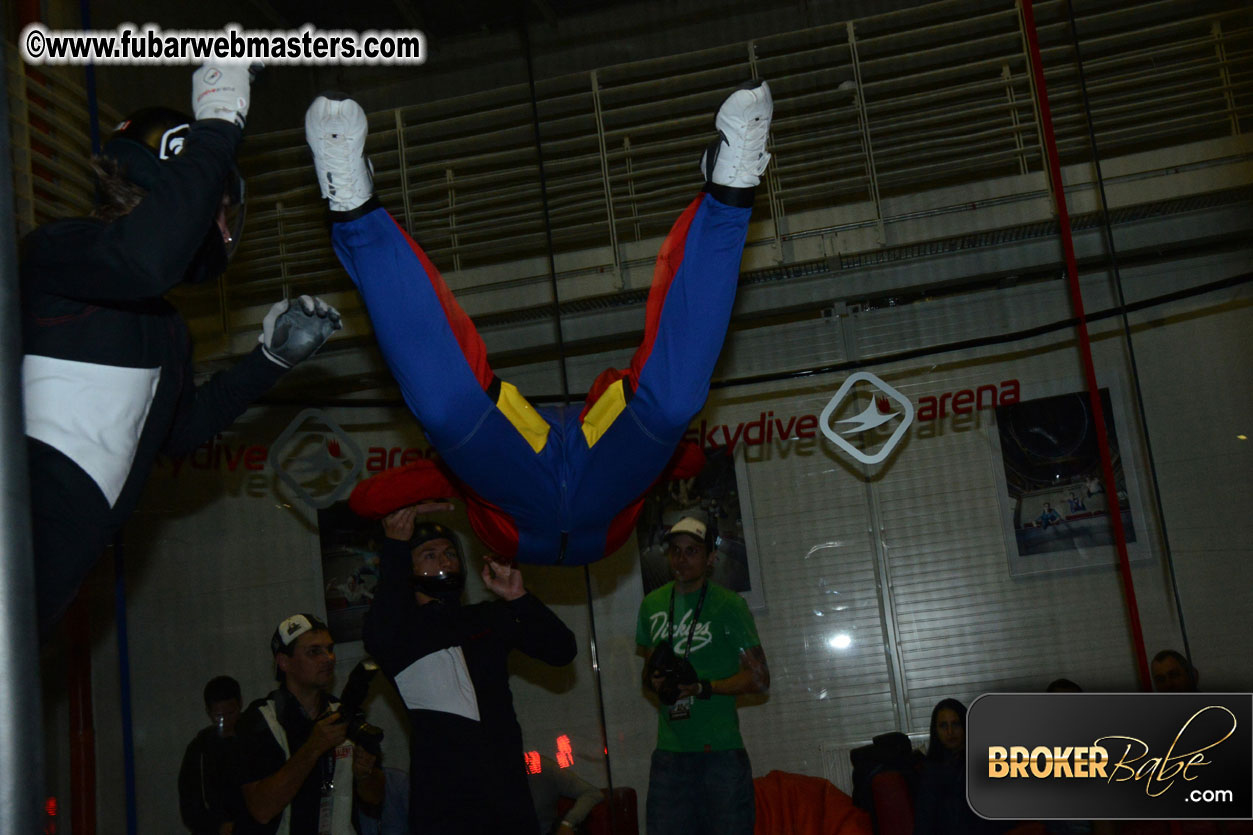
(659, 629)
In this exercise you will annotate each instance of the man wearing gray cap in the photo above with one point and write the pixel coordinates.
(298, 770)
(701, 651)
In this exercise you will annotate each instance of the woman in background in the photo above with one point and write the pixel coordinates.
(941, 807)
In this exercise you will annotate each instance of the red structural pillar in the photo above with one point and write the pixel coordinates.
(27, 13)
(77, 624)
(1085, 345)
(82, 723)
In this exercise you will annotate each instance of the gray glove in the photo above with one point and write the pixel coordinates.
(220, 90)
(291, 333)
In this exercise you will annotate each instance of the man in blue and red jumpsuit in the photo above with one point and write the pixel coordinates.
(553, 485)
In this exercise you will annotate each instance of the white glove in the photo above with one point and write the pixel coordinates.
(221, 91)
(291, 333)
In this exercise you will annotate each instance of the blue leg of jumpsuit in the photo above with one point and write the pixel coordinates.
(673, 382)
(460, 419)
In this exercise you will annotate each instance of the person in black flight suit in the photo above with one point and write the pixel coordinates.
(449, 663)
(106, 366)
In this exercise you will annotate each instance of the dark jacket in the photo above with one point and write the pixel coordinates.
(940, 807)
(107, 369)
(450, 664)
(208, 783)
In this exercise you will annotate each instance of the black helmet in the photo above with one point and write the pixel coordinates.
(145, 140)
(445, 587)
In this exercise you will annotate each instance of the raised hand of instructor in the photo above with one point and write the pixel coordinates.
(221, 90)
(294, 331)
(502, 579)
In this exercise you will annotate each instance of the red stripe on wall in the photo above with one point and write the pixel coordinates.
(1085, 345)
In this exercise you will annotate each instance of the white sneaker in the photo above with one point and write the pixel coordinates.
(738, 156)
(335, 130)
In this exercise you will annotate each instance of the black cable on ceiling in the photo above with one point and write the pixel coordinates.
(831, 368)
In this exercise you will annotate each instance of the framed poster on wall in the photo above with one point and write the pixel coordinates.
(719, 492)
(350, 561)
(1054, 504)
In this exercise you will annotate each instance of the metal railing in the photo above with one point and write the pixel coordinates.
(869, 113)
(50, 138)
(866, 111)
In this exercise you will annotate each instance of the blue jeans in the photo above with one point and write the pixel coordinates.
(710, 792)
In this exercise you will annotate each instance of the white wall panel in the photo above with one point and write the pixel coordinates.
(1198, 390)
(966, 625)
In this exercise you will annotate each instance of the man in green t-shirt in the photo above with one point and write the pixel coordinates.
(701, 651)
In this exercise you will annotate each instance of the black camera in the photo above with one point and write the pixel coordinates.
(368, 737)
(675, 670)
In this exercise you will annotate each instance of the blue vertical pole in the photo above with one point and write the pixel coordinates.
(119, 561)
(93, 111)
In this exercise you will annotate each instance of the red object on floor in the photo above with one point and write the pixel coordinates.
(798, 804)
(624, 819)
(893, 805)
(894, 811)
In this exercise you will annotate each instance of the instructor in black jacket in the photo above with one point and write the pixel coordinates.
(106, 371)
(449, 663)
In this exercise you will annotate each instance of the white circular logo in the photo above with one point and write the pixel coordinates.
(171, 144)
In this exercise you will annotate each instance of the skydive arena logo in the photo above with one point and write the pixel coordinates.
(856, 416)
(317, 459)
(1101, 756)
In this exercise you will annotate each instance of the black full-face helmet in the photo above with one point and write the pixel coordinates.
(145, 141)
(445, 586)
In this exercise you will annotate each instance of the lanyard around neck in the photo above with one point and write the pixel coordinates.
(691, 629)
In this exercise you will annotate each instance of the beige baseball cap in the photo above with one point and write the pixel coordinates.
(689, 525)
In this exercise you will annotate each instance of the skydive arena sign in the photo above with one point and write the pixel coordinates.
(886, 406)
(1103, 756)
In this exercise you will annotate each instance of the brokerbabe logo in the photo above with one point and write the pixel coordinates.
(858, 415)
(1105, 756)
